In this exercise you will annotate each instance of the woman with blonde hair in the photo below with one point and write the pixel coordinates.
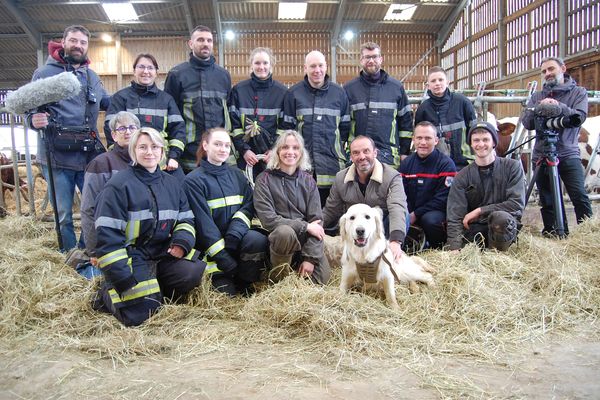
(287, 202)
(255, 110)
(145, 235)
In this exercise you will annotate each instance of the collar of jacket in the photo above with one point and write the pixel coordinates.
(146, 176)
(211, 169)
(383, 77)
(57, 53)
(567, 85)
(376, 175)
(439, 99)
(321, 89)
(141, 89)
(280, 173)
(201, 64)
(261, 83)
(122, 152)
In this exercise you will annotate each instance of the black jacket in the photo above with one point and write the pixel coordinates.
(200, 89)
(380, 110)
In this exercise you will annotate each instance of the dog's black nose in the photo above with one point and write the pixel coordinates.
(360, 232)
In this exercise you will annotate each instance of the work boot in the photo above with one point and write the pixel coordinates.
(280, 267)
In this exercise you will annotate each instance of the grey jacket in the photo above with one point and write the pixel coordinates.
(282, 199)
(573, 100)
(384, 190)
(467, 194)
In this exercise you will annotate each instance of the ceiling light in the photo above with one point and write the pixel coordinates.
(106, 37)
(229, 35)
(349, 35)
(292, 10)
(120, 12)
(400, 12)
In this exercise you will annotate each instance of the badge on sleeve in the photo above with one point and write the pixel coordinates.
(448, 181)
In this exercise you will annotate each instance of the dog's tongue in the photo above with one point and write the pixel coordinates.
(360, 241)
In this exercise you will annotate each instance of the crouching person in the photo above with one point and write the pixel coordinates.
(144, 236)
(221, 200)
(487, 197)
(288, 205)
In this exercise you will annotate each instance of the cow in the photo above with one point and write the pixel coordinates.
(8, 177)
(588, 141)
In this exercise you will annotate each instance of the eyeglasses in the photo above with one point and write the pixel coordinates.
(149, 68)
(374, 57)
(123, 129)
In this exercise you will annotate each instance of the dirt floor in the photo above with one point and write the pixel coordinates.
(562, 364)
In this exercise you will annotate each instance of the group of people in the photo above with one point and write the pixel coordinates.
(166, 204)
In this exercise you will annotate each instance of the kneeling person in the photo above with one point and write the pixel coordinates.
(221, 199)
(427, 175)
(145, 235)
(487, 197)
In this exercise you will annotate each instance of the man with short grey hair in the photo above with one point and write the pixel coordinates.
(560, 90)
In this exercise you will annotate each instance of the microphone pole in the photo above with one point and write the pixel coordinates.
(51, 186)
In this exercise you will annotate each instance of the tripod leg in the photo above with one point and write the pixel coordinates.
(557, 201)
(532, 184)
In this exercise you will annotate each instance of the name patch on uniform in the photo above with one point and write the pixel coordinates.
(319, 117)
(448, 181)
(420, 181)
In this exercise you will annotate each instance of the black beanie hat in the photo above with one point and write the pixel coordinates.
(486, 126)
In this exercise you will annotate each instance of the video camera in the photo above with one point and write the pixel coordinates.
(550, 116)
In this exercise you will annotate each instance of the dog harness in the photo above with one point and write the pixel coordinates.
(368, 271)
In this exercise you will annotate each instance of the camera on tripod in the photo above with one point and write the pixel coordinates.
(551, 117)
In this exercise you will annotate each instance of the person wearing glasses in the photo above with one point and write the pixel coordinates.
(144, 236)
(379, 108)
(153, 107)
(122, 126)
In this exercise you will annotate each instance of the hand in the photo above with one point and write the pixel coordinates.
(94, 261)
(267, 157)
(403, 157)
(472, 216)
(306, 269)
(39, 120)
(413, 218)
(549, 100)
(172, 165)
(176, 251)
(316, 230)
(455, 252)
(396, 249)
(250, 157)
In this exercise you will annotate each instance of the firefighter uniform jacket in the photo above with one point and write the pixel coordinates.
(138, 216)
(427, 182)
(221, 200)
(380, 110)
(322, 117)
(257, 105)
(200, 89)
(155, 109)
(452, 114)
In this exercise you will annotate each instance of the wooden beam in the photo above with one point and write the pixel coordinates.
(33, 34)
(188, 15)
(444, 32)
(215, 4)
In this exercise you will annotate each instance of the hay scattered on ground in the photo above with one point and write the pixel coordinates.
(484, 304)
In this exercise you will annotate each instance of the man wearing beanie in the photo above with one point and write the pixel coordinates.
(487, 197)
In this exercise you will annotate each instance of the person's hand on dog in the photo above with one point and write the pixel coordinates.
(315, 229)
(306, 269)
(472, 216)
(396, 249)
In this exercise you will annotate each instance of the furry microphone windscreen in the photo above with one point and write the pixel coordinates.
(41, 92)
(548, 110)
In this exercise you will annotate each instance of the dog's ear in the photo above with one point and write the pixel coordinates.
(342, 224)
(379, 222)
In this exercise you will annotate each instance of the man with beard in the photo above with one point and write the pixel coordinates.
(370, 182)
(451, 113)
(70, 151)
(379, 108)
(318, 110)
(200, 88)
(559, 89)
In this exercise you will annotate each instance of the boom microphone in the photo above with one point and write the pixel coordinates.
(41, 92)
(548, 110)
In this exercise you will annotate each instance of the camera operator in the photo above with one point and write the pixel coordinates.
(560, 90)
(71, 124)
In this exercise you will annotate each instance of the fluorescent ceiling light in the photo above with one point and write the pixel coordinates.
(400, 12)
(106, 37)
(292, 10)
(120, 12)
(348, 35)
(229, 35)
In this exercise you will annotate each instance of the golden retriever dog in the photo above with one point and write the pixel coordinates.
(367, 257)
